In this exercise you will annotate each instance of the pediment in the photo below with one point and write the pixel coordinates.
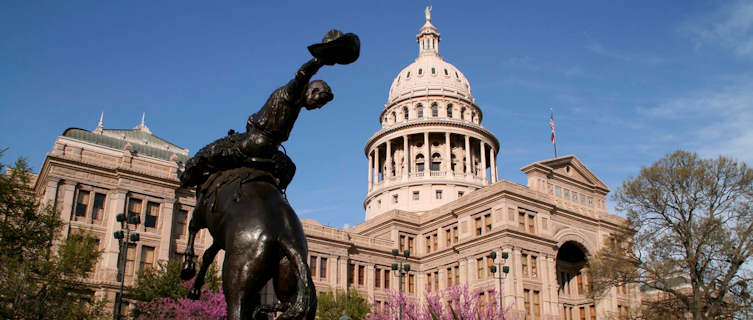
(569, 166)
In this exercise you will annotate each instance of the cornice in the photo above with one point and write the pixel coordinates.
(428, 122)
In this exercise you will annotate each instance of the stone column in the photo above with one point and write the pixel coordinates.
(448, 153)
(371, 171)
(376, 164)
(109, 262)
(551, 286)
(493, 170)
(166, 228)
(517, 290)
(388, 160)
(467, 156)
(370, 281)
(427, 156)
(342, 270)
(51, 192)
(406, 157)
(67, 201)
(482, 154)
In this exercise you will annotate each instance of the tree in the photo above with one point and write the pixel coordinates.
(453, 303)
(689, 238)
(163, 293)
(37, 280)
(330, 305)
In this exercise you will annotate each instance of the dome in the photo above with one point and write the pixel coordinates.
(429, 73)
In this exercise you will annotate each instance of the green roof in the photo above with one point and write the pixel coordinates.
(138, 148)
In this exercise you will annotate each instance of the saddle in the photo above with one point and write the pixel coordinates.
(225, 154)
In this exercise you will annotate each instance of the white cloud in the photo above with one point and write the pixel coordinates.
(718, 121)
(730, 27)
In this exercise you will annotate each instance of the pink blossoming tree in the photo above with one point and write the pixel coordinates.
(453, 303)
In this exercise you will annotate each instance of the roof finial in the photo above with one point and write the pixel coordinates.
(100, 126)
(143, 114)
(428, 13)
(142, 126)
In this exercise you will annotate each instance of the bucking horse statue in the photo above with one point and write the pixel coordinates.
(240, 185)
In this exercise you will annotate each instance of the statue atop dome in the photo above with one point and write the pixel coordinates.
(428, 13)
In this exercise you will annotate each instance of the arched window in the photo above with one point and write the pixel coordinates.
(433, 71)
(405, 113)
(408, 75)
(434, 110)
(420, 110)
(420, 162)
(445, 72)
(394, 117)
(420, 71)
(449, 110)
(436, 161)
(462, 114)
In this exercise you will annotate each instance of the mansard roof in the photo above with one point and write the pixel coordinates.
(140, 142)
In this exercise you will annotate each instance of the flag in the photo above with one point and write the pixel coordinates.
(551, 124)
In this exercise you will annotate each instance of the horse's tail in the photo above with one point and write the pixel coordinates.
(304, 306)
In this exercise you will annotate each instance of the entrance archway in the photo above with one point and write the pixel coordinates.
(573, 282)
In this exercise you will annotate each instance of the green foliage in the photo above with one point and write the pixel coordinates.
(36, 281)
(690, 237)
(164, 282)
(330, 305)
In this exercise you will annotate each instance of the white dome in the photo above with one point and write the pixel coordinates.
(429, 73)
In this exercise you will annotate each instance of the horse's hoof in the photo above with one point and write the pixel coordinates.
(194, 293)
(188, 270)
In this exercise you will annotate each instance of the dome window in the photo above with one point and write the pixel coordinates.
(433, 71)
(449, 110)
(436, 161)
(405, 113)
(434, 110)
(420, 163)
(408, 75)
(457, 75)
(420, 71)
(420, 111)
(445, 72)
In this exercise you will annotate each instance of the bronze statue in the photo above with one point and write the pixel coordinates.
(240, 182)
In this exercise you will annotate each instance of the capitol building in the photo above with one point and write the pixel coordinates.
(432, 188)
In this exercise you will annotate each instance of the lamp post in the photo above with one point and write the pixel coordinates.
(505, 270)
(402, 269)
(125, 238)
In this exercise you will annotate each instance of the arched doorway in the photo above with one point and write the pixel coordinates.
(573, 282)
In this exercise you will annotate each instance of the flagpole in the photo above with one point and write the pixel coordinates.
(551, 124)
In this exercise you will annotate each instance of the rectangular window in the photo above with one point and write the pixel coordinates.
(524, 263)
(536, 303)
(323, 268)
(580, 283)
(592, 309)
(534, 272)
(429, 282)
(147, 257)
(436, 241)
(582, 313)
(449, 277)
(480, 268)
(312, 265)
(351, 271)
(410, 244)
(378, 278)
(455, 234)
(152, 213)
(416, 193)
(448, 237)
(478, 226)
(456, 270)
(134, 207)
(130, 261)
(567, 194)
(386, 279)
(559, 191)
(488, 222)
(82, 203)
(575, 196)
(460, 194)
(180, 224)
(531, 224)
(439, 192)
(527, 301)
(361, 277)
(489, 263)
(590, 202)
(402, 243)
(411, 284)
(98, 209)
(522, 221)
(428, 244)
(582, 200)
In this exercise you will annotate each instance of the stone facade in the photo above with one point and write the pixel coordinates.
(432, 189)
(90, 177)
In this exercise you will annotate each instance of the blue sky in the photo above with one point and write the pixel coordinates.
(629, 81)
